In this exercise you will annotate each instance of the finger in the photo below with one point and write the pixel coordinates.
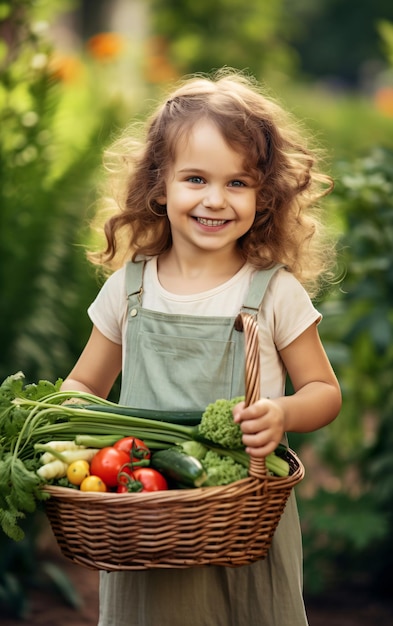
(263, 442)
(251, 412)
(237, 411)
(260, 444)
(256, 425)
(261, 452)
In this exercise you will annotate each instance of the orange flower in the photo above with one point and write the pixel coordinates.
(106, 46)
(157, 67)
(159, 70)
(66, 68)
(384, 101)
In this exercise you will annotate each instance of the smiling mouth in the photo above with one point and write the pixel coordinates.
(207, 222)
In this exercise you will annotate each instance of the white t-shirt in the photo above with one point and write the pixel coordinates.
(287, 311)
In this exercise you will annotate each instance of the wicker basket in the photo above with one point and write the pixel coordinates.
(231, 525)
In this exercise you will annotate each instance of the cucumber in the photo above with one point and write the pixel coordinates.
(178, 466)
(185, 418)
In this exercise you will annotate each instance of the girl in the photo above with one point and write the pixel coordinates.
(218, 201)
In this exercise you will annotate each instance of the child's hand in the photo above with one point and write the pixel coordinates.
(262, 424)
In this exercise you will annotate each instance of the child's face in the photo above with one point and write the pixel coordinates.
(210, 198)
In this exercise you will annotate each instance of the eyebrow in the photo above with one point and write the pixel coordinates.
(196, 170)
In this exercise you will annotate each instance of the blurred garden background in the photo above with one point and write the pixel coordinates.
(74, 72)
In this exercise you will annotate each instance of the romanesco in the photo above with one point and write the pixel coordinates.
(221, 470)
(217, 424)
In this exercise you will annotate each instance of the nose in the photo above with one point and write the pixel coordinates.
(214, 198)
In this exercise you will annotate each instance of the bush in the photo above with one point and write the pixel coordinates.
(350, 523)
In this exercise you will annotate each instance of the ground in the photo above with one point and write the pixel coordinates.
(48, 608)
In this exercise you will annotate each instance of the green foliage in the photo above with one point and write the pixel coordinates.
(345, 124)
(46, 182)
(20, 485)
(385, 30)
(365, 192)
(205, 35)
(21, 569)
(338, 531)
(327, 38)
(357, 447)
(52, 134)
(281, 37)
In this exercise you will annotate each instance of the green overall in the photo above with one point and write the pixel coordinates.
(186, 362)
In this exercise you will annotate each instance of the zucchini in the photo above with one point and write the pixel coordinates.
(185, 418)
(179, 467)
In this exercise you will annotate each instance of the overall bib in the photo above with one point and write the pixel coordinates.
(186, 362)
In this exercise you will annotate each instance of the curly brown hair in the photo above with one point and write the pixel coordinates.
(287, 228)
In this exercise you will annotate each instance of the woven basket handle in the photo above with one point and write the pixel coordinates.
(249, 325)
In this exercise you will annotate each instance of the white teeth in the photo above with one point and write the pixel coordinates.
(207, 222)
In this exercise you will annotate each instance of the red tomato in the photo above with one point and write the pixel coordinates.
(126, 476)
(127, 482)
(123, 489)
(134, 447)
(107, 464)
(151, 479)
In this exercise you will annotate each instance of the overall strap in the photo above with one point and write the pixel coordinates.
(134, 278)
(258, 288)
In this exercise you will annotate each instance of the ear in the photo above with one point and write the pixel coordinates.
(161, 200)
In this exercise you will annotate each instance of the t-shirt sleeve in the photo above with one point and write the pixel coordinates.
(285, 313)
(109, 309)
(293, 310)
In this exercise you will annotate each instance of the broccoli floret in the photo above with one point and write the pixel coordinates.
(221, 470)
(217, 424)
